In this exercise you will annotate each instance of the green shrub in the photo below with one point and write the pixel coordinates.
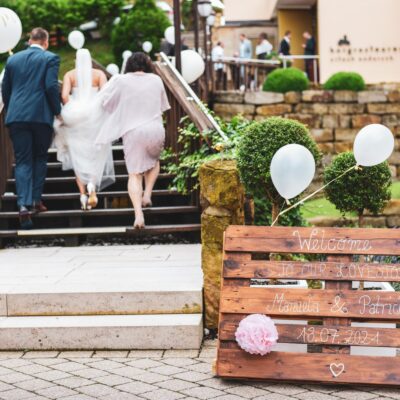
(286, 80)
(185, 165)
(145, 22)
(359, 190)
(345, 81)
(261, 140)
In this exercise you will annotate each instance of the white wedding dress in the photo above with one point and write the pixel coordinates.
(76, 136)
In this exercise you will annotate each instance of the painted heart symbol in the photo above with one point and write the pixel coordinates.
(336, 369)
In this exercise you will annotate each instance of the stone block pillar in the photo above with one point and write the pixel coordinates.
(222, 198)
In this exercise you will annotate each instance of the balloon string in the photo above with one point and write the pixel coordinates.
(312, 194)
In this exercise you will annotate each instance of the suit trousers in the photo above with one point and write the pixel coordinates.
(31, 142)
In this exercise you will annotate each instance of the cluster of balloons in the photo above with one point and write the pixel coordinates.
(293, 166)
(10, 29)
(113, 69)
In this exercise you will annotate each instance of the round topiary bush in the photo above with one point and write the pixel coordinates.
(359, 190)
(145, 22)
(345, 81)
(260, 141)
(286, 80)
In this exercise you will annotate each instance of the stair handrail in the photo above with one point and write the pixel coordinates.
(6, 153)
(194, 97)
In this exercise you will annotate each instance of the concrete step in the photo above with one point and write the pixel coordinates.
(101, 332)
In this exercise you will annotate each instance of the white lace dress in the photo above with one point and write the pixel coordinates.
(75, 140)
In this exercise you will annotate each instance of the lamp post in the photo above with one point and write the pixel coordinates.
(178, 42)
(204, 8)
(196, 25)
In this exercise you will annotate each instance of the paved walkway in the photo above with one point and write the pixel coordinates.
(151, 375)
(100, 268)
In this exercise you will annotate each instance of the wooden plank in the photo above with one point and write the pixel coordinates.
(340, 271)
(321, 368)
(334, 335)
(311, 302)
(312, 240)
(337, 286)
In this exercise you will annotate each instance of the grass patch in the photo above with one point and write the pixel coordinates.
(323, 208)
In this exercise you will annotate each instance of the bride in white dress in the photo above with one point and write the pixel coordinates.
(75, 138)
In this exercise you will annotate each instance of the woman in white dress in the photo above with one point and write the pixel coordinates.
(75, 138)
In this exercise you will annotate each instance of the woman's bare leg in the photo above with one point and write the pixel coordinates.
(150, 178)
(81, 186)
(135, 189)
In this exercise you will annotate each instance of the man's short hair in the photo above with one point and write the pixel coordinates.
(39, 35)
(287, 33)
(264, 35)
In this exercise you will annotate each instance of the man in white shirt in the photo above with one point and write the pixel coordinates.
(217, 54)
(264, 47)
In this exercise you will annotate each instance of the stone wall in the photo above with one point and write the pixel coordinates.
(222, 199)
(389, 218)
(333, 117)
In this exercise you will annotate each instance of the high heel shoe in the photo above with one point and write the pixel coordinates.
(84, 202)
(92, 201)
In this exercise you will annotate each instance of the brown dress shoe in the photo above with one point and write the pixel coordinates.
(39, 207)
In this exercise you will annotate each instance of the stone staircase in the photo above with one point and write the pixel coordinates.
(171, 213)
(116, 297)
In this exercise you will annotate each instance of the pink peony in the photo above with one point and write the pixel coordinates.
(256, 334)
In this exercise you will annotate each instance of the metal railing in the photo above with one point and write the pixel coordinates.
(232, 73)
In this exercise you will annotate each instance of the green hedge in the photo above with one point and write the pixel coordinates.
(286, 80)
(345, 81)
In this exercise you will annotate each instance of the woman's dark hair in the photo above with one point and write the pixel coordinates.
(139, 61)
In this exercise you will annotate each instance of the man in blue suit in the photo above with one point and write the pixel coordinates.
(31, 97)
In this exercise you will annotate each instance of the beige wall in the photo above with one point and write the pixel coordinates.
(295, 21)
(248, 10)
(371, 26)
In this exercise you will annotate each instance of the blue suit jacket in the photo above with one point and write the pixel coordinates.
(30, 87)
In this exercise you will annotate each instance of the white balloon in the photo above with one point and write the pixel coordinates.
(126, 54)
(112, 69)
(193, 65)
(292, 170)
(10, 29)
(147, 46)
(169, 34)
(76, 39)
(373, 145)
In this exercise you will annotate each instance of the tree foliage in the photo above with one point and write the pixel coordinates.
(65, 14)
(145, 22)
(359, 190)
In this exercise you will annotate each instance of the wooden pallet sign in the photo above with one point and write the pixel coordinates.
(335, 335)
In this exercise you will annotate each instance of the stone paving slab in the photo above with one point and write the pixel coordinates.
(151, 375)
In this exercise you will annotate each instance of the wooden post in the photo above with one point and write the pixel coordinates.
(178, 42)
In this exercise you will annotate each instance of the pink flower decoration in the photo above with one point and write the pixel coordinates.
(256, 334)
